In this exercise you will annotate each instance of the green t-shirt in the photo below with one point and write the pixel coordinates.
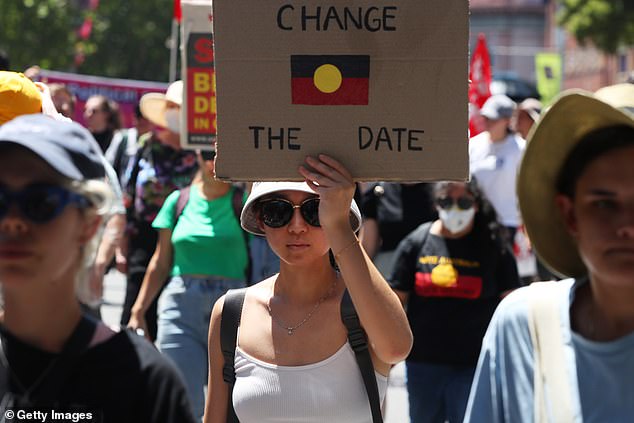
(208, 239)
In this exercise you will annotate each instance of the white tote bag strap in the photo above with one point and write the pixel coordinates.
(552, 388)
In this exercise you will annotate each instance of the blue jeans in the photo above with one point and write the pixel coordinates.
(184, 309)
(264, 262)
(438, 393)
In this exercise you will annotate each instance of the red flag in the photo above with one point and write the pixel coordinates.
(480, 77)
(480, 73)
(85, 29)
(178, 13)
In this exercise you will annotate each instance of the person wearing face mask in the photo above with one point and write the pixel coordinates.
(159, 167)
(450, 274)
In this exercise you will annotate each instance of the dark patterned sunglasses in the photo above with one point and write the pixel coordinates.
(40, 203)
(278, 212)
(463, 203)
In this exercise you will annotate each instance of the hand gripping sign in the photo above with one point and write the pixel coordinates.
(380, 85)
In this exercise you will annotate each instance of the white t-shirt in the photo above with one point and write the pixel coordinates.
(495, 166)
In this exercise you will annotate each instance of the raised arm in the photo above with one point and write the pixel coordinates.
(379, 308)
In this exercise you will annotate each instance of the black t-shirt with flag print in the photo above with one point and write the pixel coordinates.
(454, 287)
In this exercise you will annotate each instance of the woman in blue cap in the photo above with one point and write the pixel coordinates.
(52, 357)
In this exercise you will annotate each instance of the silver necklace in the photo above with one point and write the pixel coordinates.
(291, 329)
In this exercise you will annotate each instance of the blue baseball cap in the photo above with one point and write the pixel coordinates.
(66, 146)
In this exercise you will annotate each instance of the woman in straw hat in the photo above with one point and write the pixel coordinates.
(53, 357)
(292, 361)
(159, 167)
(564, 351)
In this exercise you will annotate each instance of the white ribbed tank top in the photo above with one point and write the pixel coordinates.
(329, 391)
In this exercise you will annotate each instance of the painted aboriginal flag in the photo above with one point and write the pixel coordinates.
(330, 79)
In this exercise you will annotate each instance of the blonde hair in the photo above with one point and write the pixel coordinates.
(101, 198)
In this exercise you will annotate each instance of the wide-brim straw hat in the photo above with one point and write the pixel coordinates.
(152, 105)
(573, 115)
(249, 218)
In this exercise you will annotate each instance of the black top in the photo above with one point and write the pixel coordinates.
(398, 209)
(124, 379)
(454, 286)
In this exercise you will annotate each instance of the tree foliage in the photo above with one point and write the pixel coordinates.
(608, 24)
(128, 37)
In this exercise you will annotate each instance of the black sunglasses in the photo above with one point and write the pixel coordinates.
(208, 155)
(278, 212)
(40, 203)
(463, 203)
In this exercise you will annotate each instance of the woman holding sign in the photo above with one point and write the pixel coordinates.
(291, 360)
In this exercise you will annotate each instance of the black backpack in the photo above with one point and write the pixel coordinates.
(230, 321)
(236, 202)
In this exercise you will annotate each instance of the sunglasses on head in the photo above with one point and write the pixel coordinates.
(463, 203)
(278, 212)
(40, 203)
(208, 155)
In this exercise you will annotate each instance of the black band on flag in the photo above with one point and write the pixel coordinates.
(350, 66)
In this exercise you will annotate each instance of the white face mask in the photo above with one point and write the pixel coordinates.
(455, 219)
(173, 119)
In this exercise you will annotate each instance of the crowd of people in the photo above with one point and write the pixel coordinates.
(291, 301)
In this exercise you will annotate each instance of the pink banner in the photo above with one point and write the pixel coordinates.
(126, 92)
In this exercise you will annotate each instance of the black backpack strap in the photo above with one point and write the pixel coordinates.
(236, 202)
(229, 323)
(183, 198)
(359, 343)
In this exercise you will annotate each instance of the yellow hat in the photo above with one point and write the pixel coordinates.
(573, 115)
(18, 96)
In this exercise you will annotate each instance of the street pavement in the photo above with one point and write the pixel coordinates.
(397, 404)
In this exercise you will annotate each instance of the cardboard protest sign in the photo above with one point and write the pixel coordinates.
(199, 94)
(380, 85)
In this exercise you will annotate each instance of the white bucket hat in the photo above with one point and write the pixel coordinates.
(249, 218)
(152, 105)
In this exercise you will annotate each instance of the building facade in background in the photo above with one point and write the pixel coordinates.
(517, 30)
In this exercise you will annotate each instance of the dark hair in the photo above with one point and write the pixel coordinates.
(137, 111)
(486, 226)
(56, 87)
(111, 107)
(4, 61)
(593, 145)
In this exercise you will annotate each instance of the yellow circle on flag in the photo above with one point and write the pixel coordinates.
(327, 78)
(444, 275)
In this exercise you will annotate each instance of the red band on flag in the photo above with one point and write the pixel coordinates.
(353, 91)
(464, 287)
